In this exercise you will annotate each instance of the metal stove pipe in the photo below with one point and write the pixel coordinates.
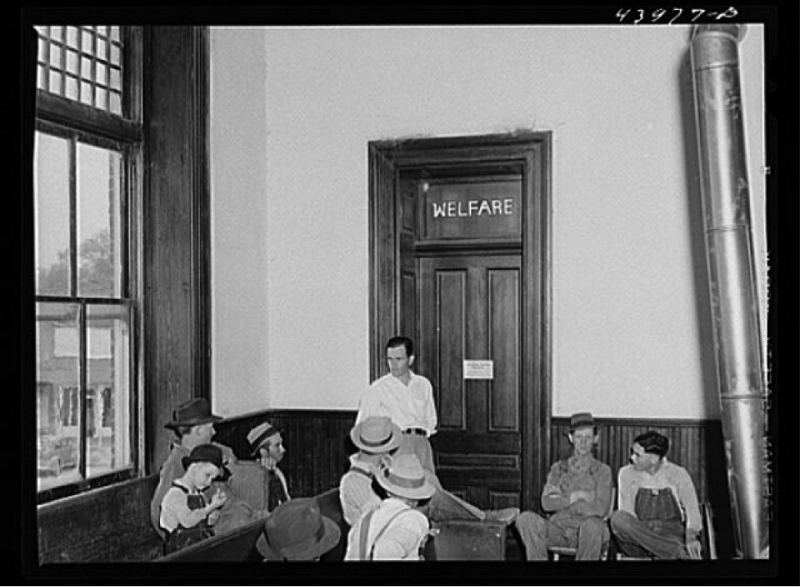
(734, 300)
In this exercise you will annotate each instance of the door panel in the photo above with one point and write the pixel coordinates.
(470, 310)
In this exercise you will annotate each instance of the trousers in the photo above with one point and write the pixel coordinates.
(586, 534)
(656, 530)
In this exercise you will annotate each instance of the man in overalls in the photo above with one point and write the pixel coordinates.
(658, 513)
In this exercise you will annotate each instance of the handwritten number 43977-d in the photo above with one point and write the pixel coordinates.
(672, 15)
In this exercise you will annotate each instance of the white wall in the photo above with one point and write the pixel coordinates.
(292, 112)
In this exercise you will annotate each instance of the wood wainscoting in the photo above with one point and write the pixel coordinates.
(112, 524)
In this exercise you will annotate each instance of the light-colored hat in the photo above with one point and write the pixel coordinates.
(376, 435)
(404, 476)
(258, 436)
(297, 530)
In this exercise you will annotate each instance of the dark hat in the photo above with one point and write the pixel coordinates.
(404, 476)
(297, 530)
(259, 435)
(204, 453)
(581, 420)
(376, 435)
(192, 413)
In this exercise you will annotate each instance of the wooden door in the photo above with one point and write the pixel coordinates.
(459, 261)
(470, 315)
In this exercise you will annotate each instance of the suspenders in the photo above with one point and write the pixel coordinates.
(365, 532)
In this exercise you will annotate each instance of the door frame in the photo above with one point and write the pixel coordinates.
(533, 151)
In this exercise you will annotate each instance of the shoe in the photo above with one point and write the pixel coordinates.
(504, 516)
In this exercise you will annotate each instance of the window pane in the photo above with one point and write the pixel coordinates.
(99, 217)
(108, 402)
(58, 399)
(84, 51)
(51, 211)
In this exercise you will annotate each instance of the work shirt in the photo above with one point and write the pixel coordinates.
(669, 475)
(408, 406)
(355, 490)
(577, 474)
(399, 530)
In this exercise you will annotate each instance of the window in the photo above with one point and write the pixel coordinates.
(87, 200)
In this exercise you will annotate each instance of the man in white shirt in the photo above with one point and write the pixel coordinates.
(407, 399)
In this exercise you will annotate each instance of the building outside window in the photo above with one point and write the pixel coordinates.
(87, 185)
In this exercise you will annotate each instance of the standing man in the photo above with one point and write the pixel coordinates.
(407, 400)
(577, 496)
(658, 513)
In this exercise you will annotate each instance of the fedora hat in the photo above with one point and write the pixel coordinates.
(376, 435)
(404, 476)
(259, 435)
(297, 530)
(581, 420)
(205, 453)
(192, 413)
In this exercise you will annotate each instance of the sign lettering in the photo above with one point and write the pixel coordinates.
(470, 208)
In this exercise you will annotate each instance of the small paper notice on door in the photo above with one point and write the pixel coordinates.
(478, 369)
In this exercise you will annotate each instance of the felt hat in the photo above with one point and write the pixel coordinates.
(297, 530)
(204, 453)
(192, 413)
(258, 436)
(404, 476)
(581, 420)
(376, 435)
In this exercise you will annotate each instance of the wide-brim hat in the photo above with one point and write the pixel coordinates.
(404, 476)
(581, 420)
(376, 435)
(192, 413)
(297, 530)
(259, 435)
(205, 453)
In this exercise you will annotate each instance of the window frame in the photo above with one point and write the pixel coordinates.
(77, 122)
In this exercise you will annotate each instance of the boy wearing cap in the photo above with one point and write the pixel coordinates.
(193, 425)
(186, 515)
(298, 531)
(577, 495)
(658, 513)
(396, 529)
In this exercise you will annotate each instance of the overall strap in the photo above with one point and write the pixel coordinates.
(385, 527)
(363, 537)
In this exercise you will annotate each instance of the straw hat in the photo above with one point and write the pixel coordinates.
(404, 476)
(259, 435)
(376, 435)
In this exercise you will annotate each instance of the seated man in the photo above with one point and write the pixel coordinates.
(377, 439)
(658, 513)
(260, 482)
(193, 424)
(577, 495)
(396, 529)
